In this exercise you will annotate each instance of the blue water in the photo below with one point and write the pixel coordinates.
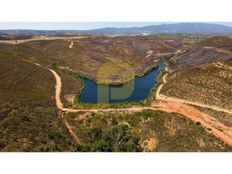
(135, 90)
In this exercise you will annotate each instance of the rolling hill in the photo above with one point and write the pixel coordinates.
(180, 28)
(176, 28)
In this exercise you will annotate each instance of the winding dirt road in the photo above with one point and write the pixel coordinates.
(71, 45)
(165, 104)
(58, 88)
(162, 97)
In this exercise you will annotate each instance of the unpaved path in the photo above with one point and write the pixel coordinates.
(211, 124)
(71, 132)
(163, 97)
(71, 45)
(177, 100)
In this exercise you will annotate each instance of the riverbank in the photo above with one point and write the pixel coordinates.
(121, 104)
(146, 71)
(128, 101)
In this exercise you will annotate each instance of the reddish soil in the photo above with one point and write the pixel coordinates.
(211, 124)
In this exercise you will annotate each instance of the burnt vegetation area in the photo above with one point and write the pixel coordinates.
(203, 74)
(218, 42)
(208, 50)
(29, 120)
(89, 54)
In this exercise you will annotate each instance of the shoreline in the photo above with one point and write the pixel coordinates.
(144, 102)
(148, 70)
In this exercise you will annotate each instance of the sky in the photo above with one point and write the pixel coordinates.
(79, 25)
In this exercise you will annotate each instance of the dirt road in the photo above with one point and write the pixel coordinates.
(211, 124)
(58, 88)
(78, 141)
(162, 97)
(71, 45)
(177, 100)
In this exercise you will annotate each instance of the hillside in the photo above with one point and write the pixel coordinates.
(27, 34)
(175, 28)
(29, 120)
(199, 56)
(218, 42)
(89, 55)
(209, 83)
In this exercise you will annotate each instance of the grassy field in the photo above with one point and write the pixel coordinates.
(146, 131)
(209, 84)
(28, 118)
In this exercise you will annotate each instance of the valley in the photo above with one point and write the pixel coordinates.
(187, 107)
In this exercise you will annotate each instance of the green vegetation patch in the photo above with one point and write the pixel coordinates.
(145, 131)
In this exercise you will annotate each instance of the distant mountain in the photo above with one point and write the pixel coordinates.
(181, 28)
(27, 34)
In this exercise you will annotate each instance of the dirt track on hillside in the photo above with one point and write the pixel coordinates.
(220, 50)
(162, 97)
(166, 104)
(71, 45)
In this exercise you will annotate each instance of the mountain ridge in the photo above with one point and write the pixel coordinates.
(175, 28)
(178, 28)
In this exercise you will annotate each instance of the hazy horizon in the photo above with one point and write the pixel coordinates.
(84, 25)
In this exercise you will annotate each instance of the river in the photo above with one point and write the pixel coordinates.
(132, 91)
